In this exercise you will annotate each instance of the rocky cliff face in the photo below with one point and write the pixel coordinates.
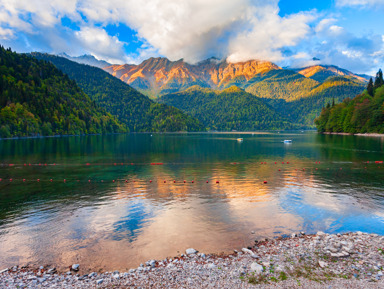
(157, 76)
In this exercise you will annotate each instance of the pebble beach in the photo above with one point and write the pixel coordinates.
(351, 260)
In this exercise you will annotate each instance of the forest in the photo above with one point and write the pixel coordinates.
(362, 114)
(130, 107)
(230, 109)
(37, 99)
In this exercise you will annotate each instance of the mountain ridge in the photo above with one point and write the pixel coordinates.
(158, 76)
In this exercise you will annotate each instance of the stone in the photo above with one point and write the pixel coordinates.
(4, 270)
(257, 268)
(322, 264)
(75, 267)
(116, 276)
(52, 271)
(98, 282)
(211, 266)
(152, 263)
(190, 251)
(293, 235)
(91, 275)
(250, 252)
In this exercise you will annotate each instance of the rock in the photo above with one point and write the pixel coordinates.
(320, 234)
(190, 251)
(75, 267)
(98, 282)
(257, 268)
(152, 263)
(69, 273)
(253, 255)
(322, 264)
(293, 235)
(253, 232)
(52, 271)
(41, 267)
(211, 266)
(116, 276)
(91, 275)
(4, 270)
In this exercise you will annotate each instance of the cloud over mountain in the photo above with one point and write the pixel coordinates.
(190, 29)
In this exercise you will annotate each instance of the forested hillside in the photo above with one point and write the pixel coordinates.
(362, 114)
(304, 110)
(38, 99)
(131, 107)
(231, 109)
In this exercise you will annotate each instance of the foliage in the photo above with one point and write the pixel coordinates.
(231, 109)
(38, 99)
(303, 111)
(131, 107)
(281, 84)
(363, 114)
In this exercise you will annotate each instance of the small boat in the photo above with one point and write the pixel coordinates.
(287, 141)
(239, 139)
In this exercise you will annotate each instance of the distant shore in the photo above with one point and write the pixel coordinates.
(352, 260)
(356, 134)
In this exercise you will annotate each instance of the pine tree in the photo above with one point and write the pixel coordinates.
(370, 87)
(379, 81)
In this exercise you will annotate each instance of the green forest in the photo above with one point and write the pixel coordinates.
(37, 99)
(362, 114)
(130, 107)
(231, 109)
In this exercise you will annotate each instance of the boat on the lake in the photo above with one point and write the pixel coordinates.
(287, 141)
(239, 139)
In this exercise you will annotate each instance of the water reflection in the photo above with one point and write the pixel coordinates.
(327, 185)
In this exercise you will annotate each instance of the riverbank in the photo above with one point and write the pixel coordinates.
(356, 134)
(353, 260)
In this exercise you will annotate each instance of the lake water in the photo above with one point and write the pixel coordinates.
(324, 184)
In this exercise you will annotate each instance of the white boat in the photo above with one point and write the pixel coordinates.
(239, 139)
(287, 141)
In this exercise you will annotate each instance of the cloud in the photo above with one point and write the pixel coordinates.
(359, 3)
(102, 45)
(190, 29)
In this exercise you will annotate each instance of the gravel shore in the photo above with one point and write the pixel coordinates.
(353, 260)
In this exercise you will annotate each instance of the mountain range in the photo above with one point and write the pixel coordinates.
(159, 76)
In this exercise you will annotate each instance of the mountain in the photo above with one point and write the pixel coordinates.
(38, 99)
(304, 110)
(159, 76)
(87, 59)
(362, 114)
(230, 109)
(322, 72)
(131, 107)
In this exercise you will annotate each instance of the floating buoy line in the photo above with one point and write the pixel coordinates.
(313, 170)
(43, 164)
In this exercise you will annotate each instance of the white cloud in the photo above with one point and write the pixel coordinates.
(102, 45)
(359, 3)
(189, 29)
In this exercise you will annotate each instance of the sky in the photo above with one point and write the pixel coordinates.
(345, 33)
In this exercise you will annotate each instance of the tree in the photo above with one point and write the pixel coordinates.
(370, 87)
(379, 81)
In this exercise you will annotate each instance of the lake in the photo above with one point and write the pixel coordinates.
(115, 201)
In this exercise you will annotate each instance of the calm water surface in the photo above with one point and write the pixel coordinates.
(101, 224)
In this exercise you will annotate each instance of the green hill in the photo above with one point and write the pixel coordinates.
(362, 114)
(280, 84)
(131, 107)
(38, 99)
(304, 110)
(231, 109)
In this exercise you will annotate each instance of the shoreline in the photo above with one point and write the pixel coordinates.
(353, 260)
(355, 134)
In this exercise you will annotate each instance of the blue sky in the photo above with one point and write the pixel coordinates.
(346, 33)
